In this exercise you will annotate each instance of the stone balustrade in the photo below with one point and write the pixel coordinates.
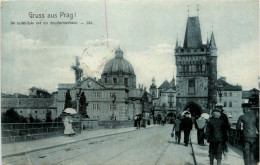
(19, 132)
(236, 140)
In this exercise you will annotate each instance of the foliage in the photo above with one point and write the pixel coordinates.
(31, 119)
(48, 116)
(58, 119)
(11, 116)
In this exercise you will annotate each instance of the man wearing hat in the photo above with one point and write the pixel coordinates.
(215, 136)
(224, 117)
(186, 126)
(249, 123)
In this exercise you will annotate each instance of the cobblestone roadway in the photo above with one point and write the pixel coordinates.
(146, 146)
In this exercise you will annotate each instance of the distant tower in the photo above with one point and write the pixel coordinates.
(153, 89)
(196, 76)
(172, 83)
(78, 71)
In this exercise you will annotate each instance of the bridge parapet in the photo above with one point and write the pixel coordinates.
(235, 139)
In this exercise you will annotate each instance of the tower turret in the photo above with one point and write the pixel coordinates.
(153, 89)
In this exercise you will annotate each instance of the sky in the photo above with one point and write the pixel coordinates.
(41, 55)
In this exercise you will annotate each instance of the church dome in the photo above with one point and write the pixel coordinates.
(118, 65)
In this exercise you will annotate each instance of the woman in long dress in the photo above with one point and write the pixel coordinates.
(68, 126)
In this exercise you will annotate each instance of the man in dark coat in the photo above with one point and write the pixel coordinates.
(186, 126)
(250, 125)
(215, 136)
(224, 117)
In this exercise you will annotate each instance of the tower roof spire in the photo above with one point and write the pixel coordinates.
(177, 45)
(193, 33)
(212, 41)
(207, 39)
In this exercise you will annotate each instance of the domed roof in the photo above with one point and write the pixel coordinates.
(118, 65)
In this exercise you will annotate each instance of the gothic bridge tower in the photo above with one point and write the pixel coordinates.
(196, 65)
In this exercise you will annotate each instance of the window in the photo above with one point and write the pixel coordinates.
(35, 111)
(230, 94)
(115, 80)
(96, 94)
(105, 80)
(95, 106)
(230, 104)
(225, 94)
(112, 95)
(21, 111)
(126, 81)
(191, 86)
(111, 107)
(43, 112)
(225, 104)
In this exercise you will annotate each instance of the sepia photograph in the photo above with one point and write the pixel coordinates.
(116, 82)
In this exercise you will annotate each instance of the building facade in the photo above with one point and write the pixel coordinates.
(37, 108)
(113, 97)
(231, 100)
(196, 65)
(165, 104)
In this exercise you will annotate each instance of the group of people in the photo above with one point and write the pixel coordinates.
(139, 121)
(185, 125)
(216, 131)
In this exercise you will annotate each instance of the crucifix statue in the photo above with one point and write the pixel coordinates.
(78, 70)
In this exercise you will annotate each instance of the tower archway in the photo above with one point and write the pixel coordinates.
(194, 109)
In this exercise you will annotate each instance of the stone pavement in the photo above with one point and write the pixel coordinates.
(142, 147)
(31, 146)
(234, 156)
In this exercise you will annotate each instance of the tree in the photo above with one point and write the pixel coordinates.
(11, 116)
(31, 119)
(68, 103)
(48, 116)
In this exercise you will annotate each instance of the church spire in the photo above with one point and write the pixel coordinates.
(177, 45)
(212, 41)
(153, 80)
(207, 39)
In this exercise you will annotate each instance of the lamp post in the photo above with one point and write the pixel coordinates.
(113, 101)
(78, 92)
(220, 90)
(170, 101)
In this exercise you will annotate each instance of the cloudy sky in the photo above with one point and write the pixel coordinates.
(41, 55)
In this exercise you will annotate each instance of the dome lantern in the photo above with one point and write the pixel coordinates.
(119, 53)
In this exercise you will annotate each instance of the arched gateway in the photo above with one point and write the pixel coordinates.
(194, 109)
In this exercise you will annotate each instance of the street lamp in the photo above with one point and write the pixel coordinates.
(78, 92)
(113, 101)
(220, 90)
(170, 101)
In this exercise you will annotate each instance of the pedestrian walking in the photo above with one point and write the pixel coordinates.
(177, 129)
(224, 117)
(68, 131)
(199, 125)
(137, 121)
(248, 122)
(186, 126)
(215, 136)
